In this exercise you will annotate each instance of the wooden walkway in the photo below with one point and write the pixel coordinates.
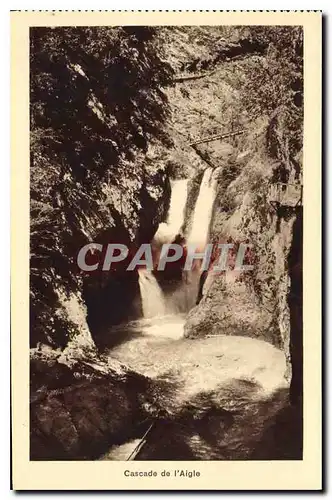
(286, 195)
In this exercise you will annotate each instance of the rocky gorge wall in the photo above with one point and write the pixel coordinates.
(249, 83)
(97, 175)
(254, 302)
(96, 169)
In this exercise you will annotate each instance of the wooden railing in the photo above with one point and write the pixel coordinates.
(286, 194)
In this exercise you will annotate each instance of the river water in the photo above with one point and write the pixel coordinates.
(217, 394)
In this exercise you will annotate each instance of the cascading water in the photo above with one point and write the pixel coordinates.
(199, 233)
(167, 231)
(203, 210)
(153, 303)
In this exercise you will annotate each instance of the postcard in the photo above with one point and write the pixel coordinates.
(166, 243)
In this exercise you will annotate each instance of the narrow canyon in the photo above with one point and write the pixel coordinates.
(154, 135)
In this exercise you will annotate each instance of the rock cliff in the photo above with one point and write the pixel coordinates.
(247, 83)
(98, 138)
(96, 161)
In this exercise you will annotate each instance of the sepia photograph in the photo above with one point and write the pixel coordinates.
(157, 136)
(166, 221)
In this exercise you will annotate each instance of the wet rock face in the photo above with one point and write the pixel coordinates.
(254, 302)
(229, 309)
(78, 411)
(79, 422)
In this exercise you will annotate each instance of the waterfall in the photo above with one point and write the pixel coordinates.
(167, 231)
(154, 302)
(152, 297)
(199, 232)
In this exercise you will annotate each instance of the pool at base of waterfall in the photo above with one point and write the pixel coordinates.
(216, 395)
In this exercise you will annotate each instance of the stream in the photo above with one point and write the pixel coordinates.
(217, 393)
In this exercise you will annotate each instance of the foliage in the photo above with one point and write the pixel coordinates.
(99, 91)
(97, 103)
(274, 82)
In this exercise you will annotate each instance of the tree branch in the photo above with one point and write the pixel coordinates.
(203, 156)
(185, 78)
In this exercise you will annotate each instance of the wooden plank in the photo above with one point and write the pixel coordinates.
(217, 137)
(140, 445)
